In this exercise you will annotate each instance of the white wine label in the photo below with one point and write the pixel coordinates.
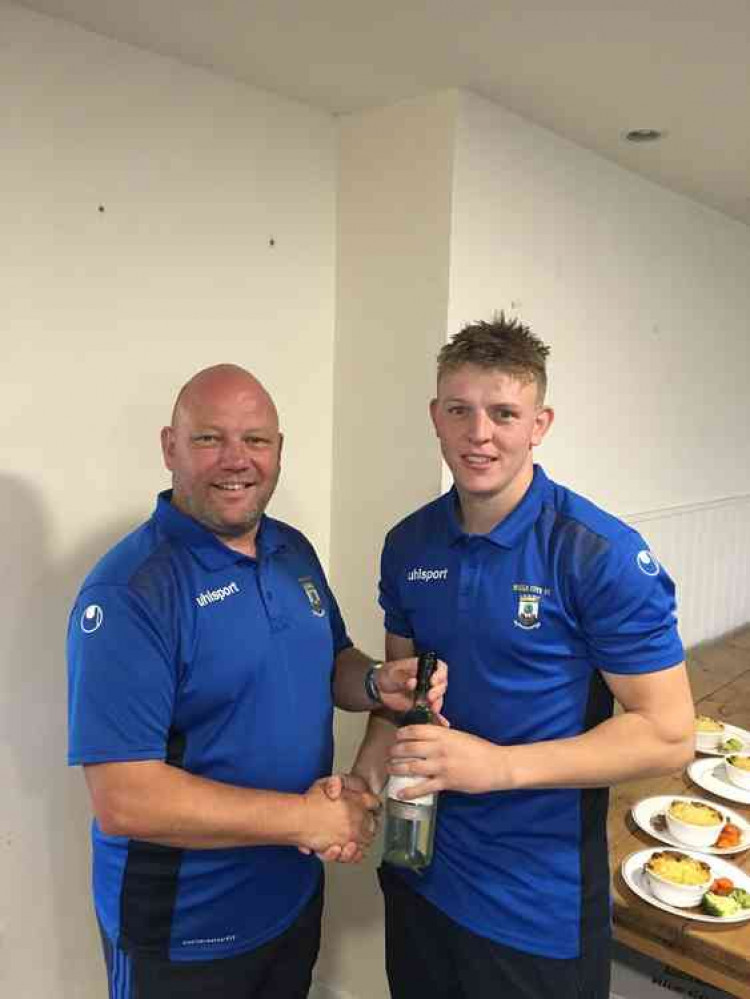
(396, 784)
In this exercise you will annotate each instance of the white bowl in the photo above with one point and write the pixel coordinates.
(737, 775)
(692, 834)
(681, 896)
(708, 742)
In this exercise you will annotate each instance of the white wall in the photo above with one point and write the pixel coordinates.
(103, 316)
(645, 300)
(393, 253)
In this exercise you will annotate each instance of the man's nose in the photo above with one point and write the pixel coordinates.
(235, 454)
(480, 427)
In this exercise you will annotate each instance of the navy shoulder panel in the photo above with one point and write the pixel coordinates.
(145, 562)
(424, 524)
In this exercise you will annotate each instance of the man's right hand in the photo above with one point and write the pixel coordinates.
(341, 819)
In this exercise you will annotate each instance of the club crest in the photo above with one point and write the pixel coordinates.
(528, 612)
(316, 604)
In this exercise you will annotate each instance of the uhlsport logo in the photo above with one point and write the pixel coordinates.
(92, 618)
(217, 596)
(419, 575)
(647, 563)
(529, 605)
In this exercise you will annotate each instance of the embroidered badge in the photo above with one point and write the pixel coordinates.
(313, 596)
(528, 613)
(529, 605)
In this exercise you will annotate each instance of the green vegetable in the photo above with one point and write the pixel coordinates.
(732, 745)
(742, 897)
(720, 905)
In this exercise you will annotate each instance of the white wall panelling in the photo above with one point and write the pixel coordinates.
(706, 549)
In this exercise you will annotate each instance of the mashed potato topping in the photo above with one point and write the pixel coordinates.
(679, 868)
(696, 813)
(705, 724)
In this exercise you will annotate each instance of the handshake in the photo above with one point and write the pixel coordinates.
(341, 818)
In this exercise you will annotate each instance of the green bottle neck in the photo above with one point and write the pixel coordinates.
(420, 714)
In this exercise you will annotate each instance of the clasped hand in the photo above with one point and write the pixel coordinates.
(343, 818)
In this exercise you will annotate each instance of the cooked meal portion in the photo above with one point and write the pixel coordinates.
(705, 724)
(679, 868)
(741, 762)
(696, 813)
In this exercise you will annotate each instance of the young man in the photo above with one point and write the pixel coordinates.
(545, 609)
(206, 652)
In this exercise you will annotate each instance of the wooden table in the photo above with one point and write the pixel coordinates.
(718, 955)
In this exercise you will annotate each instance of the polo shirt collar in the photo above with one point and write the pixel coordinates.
(509, 531)
(212, 553)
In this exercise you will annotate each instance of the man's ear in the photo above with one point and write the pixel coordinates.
(433, 414)
(543, 420)
(167, 446)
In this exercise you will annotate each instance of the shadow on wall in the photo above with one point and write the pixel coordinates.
(49, 944)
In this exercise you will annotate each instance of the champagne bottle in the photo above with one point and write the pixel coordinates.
(410, 825)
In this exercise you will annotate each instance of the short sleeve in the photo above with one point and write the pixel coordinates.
(339, 633)
(341, 639)
(121, 678)
(396, 621)
(627, 609)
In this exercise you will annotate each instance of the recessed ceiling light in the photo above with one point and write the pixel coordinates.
(643, 135)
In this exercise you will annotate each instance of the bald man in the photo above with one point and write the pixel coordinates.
(206, 652)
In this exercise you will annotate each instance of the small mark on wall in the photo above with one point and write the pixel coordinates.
(272, 241)
(101, 209)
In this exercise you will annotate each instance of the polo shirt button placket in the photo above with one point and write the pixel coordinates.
(465, 579)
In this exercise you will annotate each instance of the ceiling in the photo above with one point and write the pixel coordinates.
(589, 71)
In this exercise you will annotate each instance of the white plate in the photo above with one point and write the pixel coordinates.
(649, 809)
(636, 880)
(711, 776)
(729, 732)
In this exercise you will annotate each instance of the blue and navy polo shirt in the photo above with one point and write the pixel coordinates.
(525, 617)
(181, 649)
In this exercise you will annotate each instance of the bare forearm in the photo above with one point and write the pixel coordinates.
(349, 680)
(653, 735)
(372, 756)
(162, 804)
(622, 748)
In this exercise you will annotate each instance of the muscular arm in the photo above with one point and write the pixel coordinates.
(153, 801)
(653, 735)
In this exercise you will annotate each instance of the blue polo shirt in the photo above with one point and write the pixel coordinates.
(525, 617)
(181, 649)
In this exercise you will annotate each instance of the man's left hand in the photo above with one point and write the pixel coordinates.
(397, 679)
